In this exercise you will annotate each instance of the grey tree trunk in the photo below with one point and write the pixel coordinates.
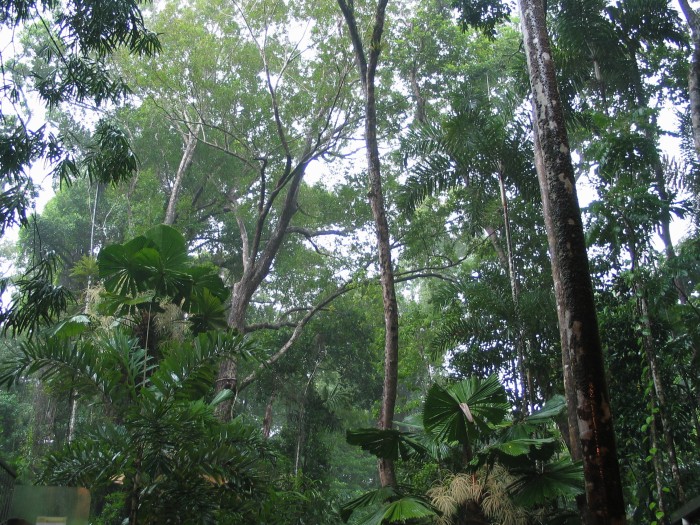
(526, 386)
(185, 163)
(660, 390)
(367, 66)
(572, 283)
(693, 19)
(656, 459)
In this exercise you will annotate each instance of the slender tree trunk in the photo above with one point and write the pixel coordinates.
(656, 458)
(267, 420)
(185, 163)
(515, 294)
(73, 394)
(568, 378)
(492, 236)
(572, 282)
(301, 436)
(418, 98)
(693, 20)
(367, 66)
(659, 389)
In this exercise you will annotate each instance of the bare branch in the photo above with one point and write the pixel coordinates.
(269, 326)
(295, 335)
(410, 276)
(349, 14)
(316, 233)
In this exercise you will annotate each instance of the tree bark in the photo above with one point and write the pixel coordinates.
(526, 390)
(257, 261)
(693, 19)
(267, 420)
(572, 282)
(656, 459)
(659, 389)
(367, 66)
(185, 162)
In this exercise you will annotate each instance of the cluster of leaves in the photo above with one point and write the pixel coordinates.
(72, 40)
(465, 429)
(160, 441)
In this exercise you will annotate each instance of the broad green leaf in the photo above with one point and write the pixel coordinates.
(170, 244)
(222, 396)
(519, 447)
(557, 479)
(551, 409)
(122, 274)
(207, 312)
(461, 410)
(368, 499)
(403, 510)
(408, 508)
(71, 327)
(387, 444)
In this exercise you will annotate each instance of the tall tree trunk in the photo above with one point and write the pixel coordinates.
(656, 458)
(693, 19)
(367, 66)
(659, 389)
(257, 258)
(572, 281)
(267, 420)
(526, 390)
(185, 162)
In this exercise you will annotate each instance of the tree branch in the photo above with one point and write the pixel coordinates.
(295, 335)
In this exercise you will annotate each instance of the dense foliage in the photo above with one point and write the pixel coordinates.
(195, 324)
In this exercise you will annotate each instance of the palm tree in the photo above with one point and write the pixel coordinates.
(159, 441)
(496, 470)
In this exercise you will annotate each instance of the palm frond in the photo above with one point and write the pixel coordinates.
(37, 300)
(556, 479)
(463, 410)
(188, 369)
(387, 444)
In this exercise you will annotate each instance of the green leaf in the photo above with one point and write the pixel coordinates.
(462, 410)
(387, 444)
(170, 244)
(71, 327)
(368, 499)
(520, 447)
(407, 508)
(551, 409)
(557, 479)
(122, 275)
(225, 395)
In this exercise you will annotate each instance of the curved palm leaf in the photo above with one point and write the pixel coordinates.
(37, 300)
(112, 367)
(467, 150)
(155, 261)
(156, 267)
(71, 327)
(408, 508)
(93, 460)
(461, 411)
(387, 444)
(556, 479)
(117, 266)
(391, 507)
(368, 499)
(189, 369)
